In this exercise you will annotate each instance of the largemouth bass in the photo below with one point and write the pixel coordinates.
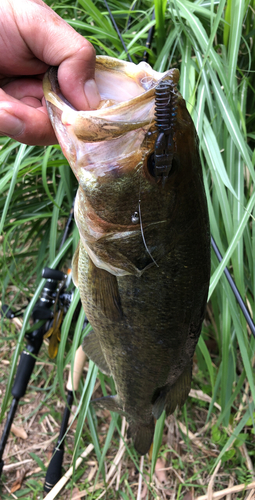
(143, 262)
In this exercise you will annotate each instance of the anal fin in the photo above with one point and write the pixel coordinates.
(179, 391)
(159, 404)
(111, 403)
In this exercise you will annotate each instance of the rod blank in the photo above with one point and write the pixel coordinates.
(235, 290)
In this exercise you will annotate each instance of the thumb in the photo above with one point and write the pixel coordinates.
(55, 43)
(76, 78)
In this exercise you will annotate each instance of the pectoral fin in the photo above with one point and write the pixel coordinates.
(92, 348)
(105, 292)
(75, 262)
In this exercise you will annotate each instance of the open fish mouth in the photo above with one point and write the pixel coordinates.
(125, 115)
(126, 91)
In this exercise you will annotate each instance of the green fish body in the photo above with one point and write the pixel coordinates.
(143, 262)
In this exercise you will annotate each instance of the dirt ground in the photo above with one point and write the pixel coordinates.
(182, 470)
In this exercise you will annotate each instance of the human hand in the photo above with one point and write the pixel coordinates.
(32, 38)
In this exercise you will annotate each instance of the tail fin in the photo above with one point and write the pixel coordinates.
(142, 436)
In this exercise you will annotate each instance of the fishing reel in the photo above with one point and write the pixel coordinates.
(52, 287)
(43, 317)
(55, 282)
(54, 294)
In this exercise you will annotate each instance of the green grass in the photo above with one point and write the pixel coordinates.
(210, 43)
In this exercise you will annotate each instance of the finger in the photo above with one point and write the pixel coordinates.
(26, 124)
(24, 87)
(35, 102)
(76, 79)
(27, 90)
(57, 44)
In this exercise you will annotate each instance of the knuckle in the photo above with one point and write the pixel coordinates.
(87, 50)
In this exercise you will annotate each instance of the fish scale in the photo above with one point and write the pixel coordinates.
(143, 262)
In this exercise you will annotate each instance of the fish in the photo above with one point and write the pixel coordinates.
(142, 265)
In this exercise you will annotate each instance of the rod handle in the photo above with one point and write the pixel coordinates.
(24, 371)
(54, 471)
(53, 274)
(79, 362)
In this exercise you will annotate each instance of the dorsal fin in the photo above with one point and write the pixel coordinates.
(172, 395)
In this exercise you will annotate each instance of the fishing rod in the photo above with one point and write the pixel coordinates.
(149, 38)
(54, 471)
(235, 290)
(54, 289)
(117, 31)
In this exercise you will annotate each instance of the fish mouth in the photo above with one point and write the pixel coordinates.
(120, 125)
(126, 90)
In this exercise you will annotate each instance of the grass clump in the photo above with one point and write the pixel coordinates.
(211, 44)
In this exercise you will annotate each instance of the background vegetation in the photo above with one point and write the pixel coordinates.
(212, 44)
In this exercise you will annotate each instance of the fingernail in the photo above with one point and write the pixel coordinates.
(9, 124)
(92, 94)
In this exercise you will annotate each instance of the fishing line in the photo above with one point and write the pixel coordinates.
(149, 39)
(117, 31)
(233, 286)
(141, 226)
